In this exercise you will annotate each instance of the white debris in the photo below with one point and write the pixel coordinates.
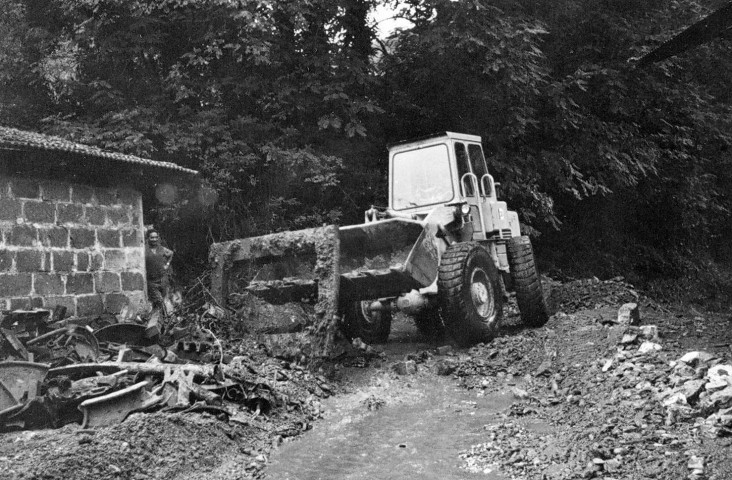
(647, 347)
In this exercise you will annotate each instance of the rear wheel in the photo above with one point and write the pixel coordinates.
(526, 282)
(470, 293)
(429, 323)
(369, 326)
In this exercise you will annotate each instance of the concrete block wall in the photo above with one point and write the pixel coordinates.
(71, 244)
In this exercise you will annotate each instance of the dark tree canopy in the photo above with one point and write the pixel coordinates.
(287, 106)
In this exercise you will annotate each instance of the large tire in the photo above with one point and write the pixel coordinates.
(371, 327)
(526, 282)
(470, 294)
(429, 323)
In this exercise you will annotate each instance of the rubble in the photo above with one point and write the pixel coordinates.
(629, 314)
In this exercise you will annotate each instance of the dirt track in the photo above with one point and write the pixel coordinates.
(564, 401)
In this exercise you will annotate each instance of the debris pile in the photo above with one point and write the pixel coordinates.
(598, 395)
(700, 387)
(96, 372)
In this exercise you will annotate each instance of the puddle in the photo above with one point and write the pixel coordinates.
(415, 435)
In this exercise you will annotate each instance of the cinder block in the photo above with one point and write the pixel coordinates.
(131, 238)
(25, 303)
(25, 188)
(115, 303)
(22, 303)
(16, 284)
(55, 192)
(39, 212)
(132, 281)
(6, 260)
(70, 213)
(77, 283)
(89, 305)
(95, 215)
(82, 194)
(107, 282)
(81, 237)
(23, 235)
(57, 237)
(119, 217)
(9, 209)
(97, 260)
(136, 217)
(106, 196)
(114, 259)
(135, 259)
(48, 284)
(67, 301)
(108, 238)
(82, 261)
(63, 261)
(29, 260)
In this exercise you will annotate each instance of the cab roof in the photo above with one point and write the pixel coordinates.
(431, 139)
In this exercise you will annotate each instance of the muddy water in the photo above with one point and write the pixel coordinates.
(424, 423)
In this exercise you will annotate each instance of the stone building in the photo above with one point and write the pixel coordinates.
(71, 224)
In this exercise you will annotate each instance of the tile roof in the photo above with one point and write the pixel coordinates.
(12, 138)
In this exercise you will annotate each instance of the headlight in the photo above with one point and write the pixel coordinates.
(462, 211)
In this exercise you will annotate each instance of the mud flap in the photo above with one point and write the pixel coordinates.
(284, 287)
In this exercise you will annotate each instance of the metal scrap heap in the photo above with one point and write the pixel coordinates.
(96, 372)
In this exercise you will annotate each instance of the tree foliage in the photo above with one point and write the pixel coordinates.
(286, 108)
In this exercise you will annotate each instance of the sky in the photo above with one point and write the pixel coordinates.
(385, 24)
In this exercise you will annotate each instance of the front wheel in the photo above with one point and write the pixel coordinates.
(526, 282)
(470, 293)
(369, 326)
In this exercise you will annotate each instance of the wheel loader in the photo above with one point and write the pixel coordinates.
(442, 252)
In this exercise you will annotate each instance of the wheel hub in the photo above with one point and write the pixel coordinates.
(481, 293)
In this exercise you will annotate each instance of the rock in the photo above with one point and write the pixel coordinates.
(629, 338)
(405, 368)
(608, 364)
(519, 393)
(649, 332)
(612, 465)
(677, 398)
(692, 389)
(695, 358)
(444, 350)
(648, 347)
(718, 377)
(717, 400)
(445, 367)
(629, 314)
(544, 369)
(695, 463)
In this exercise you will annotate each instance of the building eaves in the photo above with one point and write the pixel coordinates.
(14, 139)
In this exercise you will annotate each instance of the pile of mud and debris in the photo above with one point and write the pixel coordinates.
(93, 398)
(605, 391)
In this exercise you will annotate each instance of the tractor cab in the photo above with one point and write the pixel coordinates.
(448, 169)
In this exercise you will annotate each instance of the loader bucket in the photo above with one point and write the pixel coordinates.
(286, 287)
(284, 283)
(386, 258)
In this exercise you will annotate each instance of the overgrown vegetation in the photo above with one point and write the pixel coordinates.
(287, 106)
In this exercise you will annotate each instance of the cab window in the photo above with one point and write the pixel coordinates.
(463, 167)
(477, 160)
(421, 177)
